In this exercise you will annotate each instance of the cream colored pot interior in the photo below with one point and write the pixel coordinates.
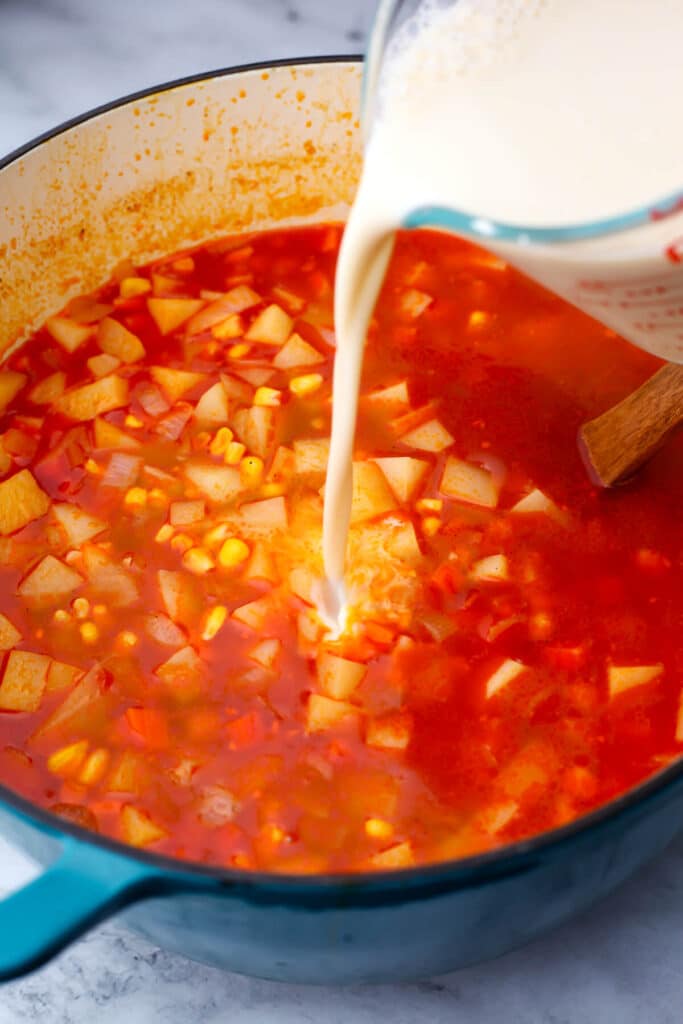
(229, 153)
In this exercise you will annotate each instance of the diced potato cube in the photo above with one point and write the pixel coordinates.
(79, 526)
(504, 674)
(401, 541)
(179, 596)
(164, 630)
(131, 287)
(9, 634)
(255, 613)
(21, 501)
(128, 775)
(60, 676)
(49, 581)
(310, 456)
(238, 391)
(496, 817)
(267, 652)
(536, 502)
(271, 327)
(392, 400)
(465, 482)
(404, 474)
(431, 436)
(175, 383)
(372, 496)
(257, 376)
(625, 677)
(256, 428)
(323, 713)
(171, 313)
(182, 665)
(186, 513)
(220, 484)
(48, 390)
(67, 333)
(389, 732)
(11, 384)
(297, 352)
(138, 829)
(116, 340)
(103, 364)
(413, 303)
(493, 567)
(80, 707)
(212, 407)
(261, 565)
(109, 436)
(339, 677)
(265, 515)
(24, 681)
(91, 400)
(399, 856)
(113, 584)
(283, 466)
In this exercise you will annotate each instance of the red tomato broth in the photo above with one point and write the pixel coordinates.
(221, 763)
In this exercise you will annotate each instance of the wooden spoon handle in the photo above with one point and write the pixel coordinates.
(615, 444)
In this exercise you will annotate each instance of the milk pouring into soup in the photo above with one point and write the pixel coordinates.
(519, 112)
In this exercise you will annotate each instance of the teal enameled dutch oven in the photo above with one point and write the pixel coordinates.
(252, 147)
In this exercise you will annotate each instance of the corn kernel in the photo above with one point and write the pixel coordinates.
(377, 828)
(127, 639)
(60, 617)
(240, 350)
(135, 497)
(429, 505)
(92, 467)
(67, 760)
(94, 768)
(272, 490)
(182, 543)
(89, 633)
(199, 561)
(164, 533)
(234, 453)
(214, 537)
(431, 526)
(158, 497)
(73, 557)
(100, 611)
(80, 606)
(306, 384)
(132, 286)
(478, 319)
(213, 621)
(233, 552)
(251, 470)
(267, 396)
(133, 421)
(233, 327)
(273, 833)
(221, 440)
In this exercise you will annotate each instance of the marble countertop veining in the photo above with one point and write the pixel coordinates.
(618, 963)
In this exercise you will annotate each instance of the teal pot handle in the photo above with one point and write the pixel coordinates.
(83, 886)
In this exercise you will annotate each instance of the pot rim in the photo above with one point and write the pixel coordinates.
(510, 859)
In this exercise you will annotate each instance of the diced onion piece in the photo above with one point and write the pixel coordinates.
(49, 581)
(171, 313)
(151, 399)
(271, 327)
(212, 407)
(413, 303)
(538, 502)
(79, 526)
(21, 501)
(109, 436)
(625, 677)
(49, 389)
(175, 383)
(493, 567)
(11, 384)
(171, 426)
(255, 613)
(294, 303)
(389, 732)
(323, 713)
(372, 496)
(9, 634)
(267, 652)
(392, 400)
(116, 340)
(138, 829)
(431, 436)
(268, 514)
(235, 301)
(103, 364)
(504, 674)
(404, 474)
(122, 471)
(297, 352)
(399, 856)
(465, 482)
(186, 513)
(24, 681)
(339, 677)
(91, 400)
(67, 333)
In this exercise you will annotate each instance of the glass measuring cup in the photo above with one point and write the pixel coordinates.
(626, 270)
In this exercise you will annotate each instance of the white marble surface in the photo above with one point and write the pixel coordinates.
(620, 963)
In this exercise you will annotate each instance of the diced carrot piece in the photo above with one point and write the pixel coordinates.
(171, 313)
(11, 384)
(150, 725)
(372, 496)
(50, 580)
(91, 400)
(24, 681)
(339, 677)
(79, 526)
(138, 829)
(67, 333)
(472, 484)
(220, 484)
(399, 856)
(271, 327)
(266, 652)
(116, 340)
(625, 677)
(266, 515)
(109, 436)
(297, 352)
(503, 675)
(323, 713)
(60, 675)
(212, 407)
(431, 436)
(21, 501)
(9, 634)
(404, 474)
